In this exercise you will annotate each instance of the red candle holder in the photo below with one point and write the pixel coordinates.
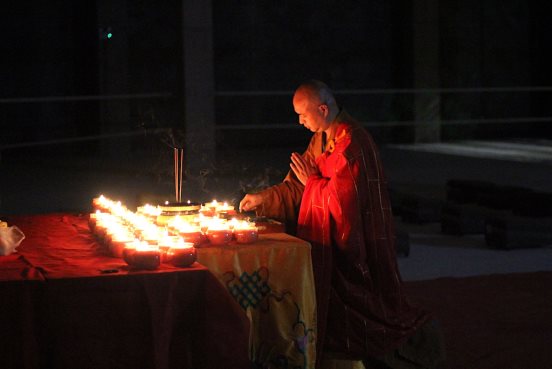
(165, 244)
(128, 251)
(226, 214)
(182, 255)
(117, 246)
(247, 235)
(92, 220)
(208, 212)
(164, 250)
(98, 204)
(150, 238)
(142, 258)
(195, 237)
(100, 231)
(219, 236)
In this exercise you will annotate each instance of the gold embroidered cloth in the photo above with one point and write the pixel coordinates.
(272, 280)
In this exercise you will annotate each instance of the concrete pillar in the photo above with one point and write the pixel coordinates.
(113, 75)
(199, 84)
(427, 105)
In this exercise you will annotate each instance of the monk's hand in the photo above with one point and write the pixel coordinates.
(250, 202)
(303, 168)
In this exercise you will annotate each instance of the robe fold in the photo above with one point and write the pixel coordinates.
(344, 212)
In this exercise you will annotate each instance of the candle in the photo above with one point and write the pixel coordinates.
(118, 243)
(225, 211)
(219, 236)
(149, 211)
(225, 207)
(165, 243)
(190, 233)
(151, 234)
(245, 232)
(140, 224)
(209, 209)
(130, 249)
(232, 223)
(93, 219)
(212, 205)
(144, 256)
(218, 232)
(99, 203)
(100, 230)
(184, 221)
(216, 223)
(182, 254)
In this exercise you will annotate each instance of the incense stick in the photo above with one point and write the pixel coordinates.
(180, 174)
(176, 173)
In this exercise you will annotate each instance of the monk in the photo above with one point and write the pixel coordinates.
(335, 196)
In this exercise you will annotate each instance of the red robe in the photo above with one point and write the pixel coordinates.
(345, 214)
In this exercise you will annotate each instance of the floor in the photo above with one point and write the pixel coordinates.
(425, 168)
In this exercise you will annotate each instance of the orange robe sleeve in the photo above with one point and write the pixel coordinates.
(282, 201)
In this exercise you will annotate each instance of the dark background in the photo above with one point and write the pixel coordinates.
(57, 107)
(56, 49)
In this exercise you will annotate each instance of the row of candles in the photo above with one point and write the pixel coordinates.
(144, 244)
(210, 209)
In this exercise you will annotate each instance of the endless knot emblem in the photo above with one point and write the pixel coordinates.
(249, 289)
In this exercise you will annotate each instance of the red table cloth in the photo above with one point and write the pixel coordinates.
(60, 311)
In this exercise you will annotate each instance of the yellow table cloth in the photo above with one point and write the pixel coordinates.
(272, 280)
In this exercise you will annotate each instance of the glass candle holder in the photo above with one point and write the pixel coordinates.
(165, 244)
(92, 220)
(100, 231)
(143, 257)
(195, 237)
(219, 236)
(100, 203)
(118, 244)
(182, 255)
(246, 235)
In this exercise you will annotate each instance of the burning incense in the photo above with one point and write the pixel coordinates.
(178, 170)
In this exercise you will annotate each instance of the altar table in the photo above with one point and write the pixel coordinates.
(273, 282)
(59, 310)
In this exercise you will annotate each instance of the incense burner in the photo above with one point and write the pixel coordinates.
(185, 210)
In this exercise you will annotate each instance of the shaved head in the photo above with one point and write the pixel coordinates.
(317, 92)
(315, 105)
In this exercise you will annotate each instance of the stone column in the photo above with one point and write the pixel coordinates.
(427, 105)
(113, 75)
(198, 83)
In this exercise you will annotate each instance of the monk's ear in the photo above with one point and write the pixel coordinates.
(324, 110)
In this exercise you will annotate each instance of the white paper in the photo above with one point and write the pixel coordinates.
(10, 238)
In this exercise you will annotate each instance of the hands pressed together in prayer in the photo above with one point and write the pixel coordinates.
(302, 167)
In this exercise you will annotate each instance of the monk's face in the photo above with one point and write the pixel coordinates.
(312, 113)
